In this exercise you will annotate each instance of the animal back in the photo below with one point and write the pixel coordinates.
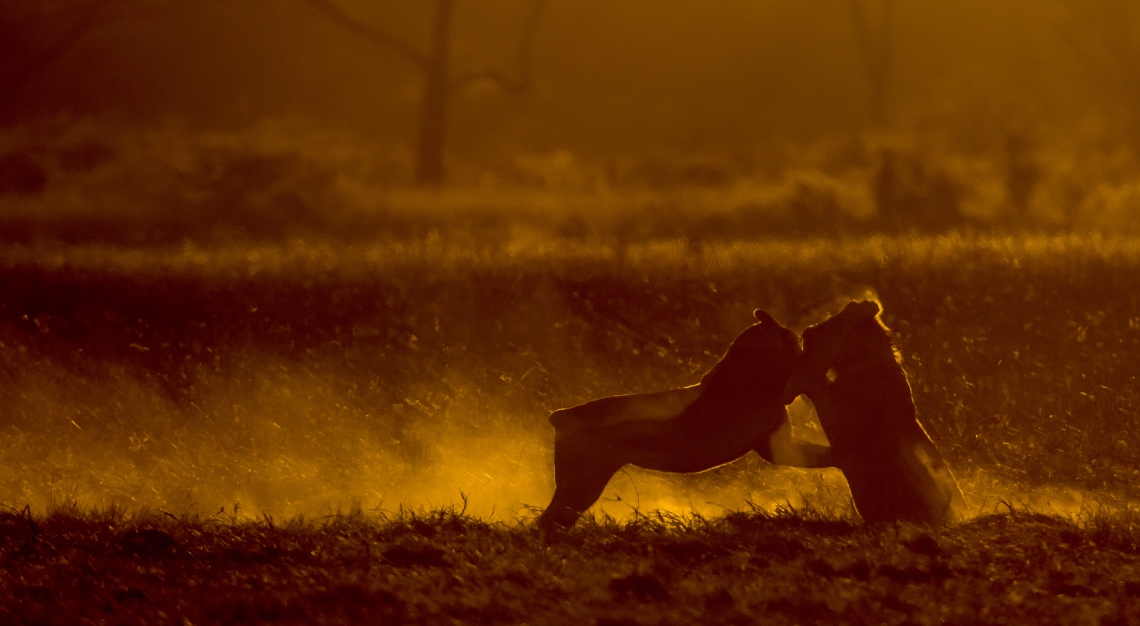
(657, 406)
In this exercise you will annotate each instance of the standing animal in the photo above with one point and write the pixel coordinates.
(893, 468)
(735, 409)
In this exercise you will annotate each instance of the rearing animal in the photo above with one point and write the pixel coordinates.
(735, 409)
(893, 468)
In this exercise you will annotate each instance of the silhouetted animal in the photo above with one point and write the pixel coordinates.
(893, 468)
(735, 409)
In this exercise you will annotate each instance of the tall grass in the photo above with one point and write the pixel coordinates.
(83, 566)
(302, 377)
(86, 182)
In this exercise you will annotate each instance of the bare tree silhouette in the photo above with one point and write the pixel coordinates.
(440, 85)
(27, 58)
(37, 34)
(874, 38)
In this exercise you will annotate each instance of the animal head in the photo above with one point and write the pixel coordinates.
(844, 336)
(765, 354)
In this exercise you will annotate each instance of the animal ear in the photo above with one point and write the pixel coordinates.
(763, 316)
(870, 308)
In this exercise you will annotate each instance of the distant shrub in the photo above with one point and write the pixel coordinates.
(76, 181)
(21, 175)
(662, 173)
(555, 171)
(1109, 207)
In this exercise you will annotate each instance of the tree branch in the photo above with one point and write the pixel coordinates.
(372, 34)
(88, 18)
(526, 53)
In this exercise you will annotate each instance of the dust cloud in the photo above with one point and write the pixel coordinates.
(297, 256)
(275, 441)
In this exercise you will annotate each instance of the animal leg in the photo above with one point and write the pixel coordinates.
(941, 490)
(579, 478)
(784, 449)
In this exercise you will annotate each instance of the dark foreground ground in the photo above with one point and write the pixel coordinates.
(442, 567)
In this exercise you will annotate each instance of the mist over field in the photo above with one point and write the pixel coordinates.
(305, 379)
(175, 184)
(295, 284)
(257, 254)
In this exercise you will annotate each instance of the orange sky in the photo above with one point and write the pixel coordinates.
(610, 76)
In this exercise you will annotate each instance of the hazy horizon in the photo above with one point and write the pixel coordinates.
(637, 76)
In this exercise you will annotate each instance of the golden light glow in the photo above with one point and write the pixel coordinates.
(313, 254)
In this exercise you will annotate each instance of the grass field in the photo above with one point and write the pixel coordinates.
(225, 387)
(297, 378)
(441, 568)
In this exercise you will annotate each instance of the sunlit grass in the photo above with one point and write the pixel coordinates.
(305, 376)
(322, 431)
(815, 255)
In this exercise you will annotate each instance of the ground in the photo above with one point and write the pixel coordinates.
(184, 423)
(441, 567)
